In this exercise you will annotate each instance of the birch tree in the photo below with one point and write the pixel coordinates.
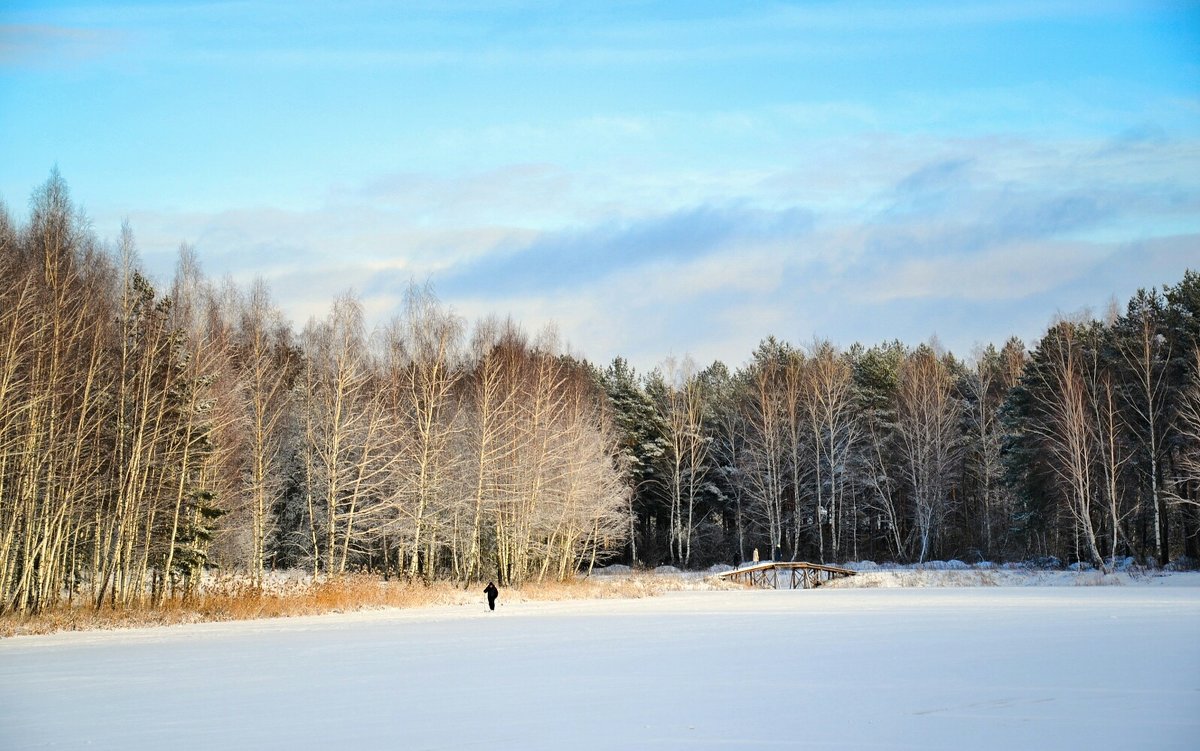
(683, 410)
(342, 432)
(1063, 420)
(829, 402)
(424, 368)
(490, 412)
(55, 291)
(268, 365)
(993, 374)
(928, 412)
(765, 454)
(1144, 353)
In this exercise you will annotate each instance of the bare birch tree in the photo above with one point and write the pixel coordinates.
(268, 365)
(928, 412)
(490, 414)
(344, 439)
(1066, 423)
(830, 408)
(425, 367)
(994, 373)
(683, 409)
(765, 454)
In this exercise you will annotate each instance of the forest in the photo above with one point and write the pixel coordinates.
(148, 435)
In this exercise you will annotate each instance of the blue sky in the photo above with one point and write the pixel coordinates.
(655, 178)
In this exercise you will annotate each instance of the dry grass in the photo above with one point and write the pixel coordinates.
(237, 601)
(232, 599)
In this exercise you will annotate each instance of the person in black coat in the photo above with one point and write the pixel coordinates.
(492, 593)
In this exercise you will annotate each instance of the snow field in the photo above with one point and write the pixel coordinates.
(885, 668)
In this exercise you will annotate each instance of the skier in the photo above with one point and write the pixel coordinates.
(492, 593)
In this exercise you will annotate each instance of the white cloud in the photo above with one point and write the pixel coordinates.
(873, 236)
(1009, 272)
(54, 45)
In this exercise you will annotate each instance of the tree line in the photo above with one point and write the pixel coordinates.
(1085, 448)
(148, 434)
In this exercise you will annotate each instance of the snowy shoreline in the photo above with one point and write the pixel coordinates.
(955, 574)
(619, 583)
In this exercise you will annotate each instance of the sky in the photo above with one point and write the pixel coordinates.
(654, 178)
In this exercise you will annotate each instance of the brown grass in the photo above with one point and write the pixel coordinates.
(234, 600)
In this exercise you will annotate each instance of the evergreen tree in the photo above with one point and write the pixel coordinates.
(877, 382)
(641, 446)
(1183, 443)
(1141, 353)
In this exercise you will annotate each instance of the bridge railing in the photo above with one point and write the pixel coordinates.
(800, 574)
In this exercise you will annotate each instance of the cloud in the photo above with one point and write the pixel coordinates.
(972, 239)
(1005, 272)
(526, 192)
(369, 36)
(939, 176)
(924, 16)
(55, 46)
(570, 257)
(261, 240)
(668, 305)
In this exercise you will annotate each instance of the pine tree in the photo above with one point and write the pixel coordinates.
(641, 446)
(1140, 352)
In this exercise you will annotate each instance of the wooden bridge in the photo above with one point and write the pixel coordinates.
(800, 575)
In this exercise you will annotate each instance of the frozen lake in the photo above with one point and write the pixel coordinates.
(1000, 668)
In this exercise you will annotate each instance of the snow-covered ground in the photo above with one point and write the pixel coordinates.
(942, 668)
